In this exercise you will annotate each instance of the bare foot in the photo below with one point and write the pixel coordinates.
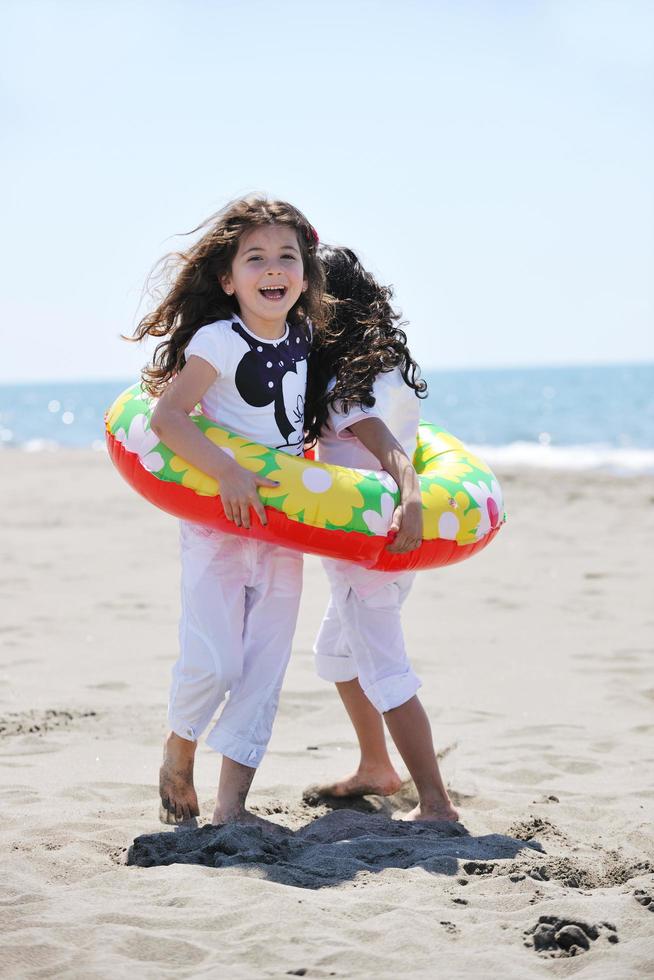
(436, 811)
(224, 816)
(179, 801)
(363, 782)
(233, 788)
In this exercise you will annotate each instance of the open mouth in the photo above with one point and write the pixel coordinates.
(273, 292)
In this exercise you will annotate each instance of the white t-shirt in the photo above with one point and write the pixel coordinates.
(395, 404)
(261, 385)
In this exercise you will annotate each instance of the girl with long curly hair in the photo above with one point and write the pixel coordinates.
(363, 409)
(236, 323)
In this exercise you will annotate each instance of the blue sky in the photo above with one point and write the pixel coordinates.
(492, 160)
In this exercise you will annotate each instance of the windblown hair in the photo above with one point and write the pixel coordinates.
(193, 295)
(362, 338)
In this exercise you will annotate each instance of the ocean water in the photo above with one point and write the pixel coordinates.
(566, 417)
(580, 418)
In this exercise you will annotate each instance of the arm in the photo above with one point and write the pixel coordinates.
(171, 422)
(407, 519)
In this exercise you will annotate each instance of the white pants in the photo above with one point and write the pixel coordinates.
(240, 600)
(361, 633)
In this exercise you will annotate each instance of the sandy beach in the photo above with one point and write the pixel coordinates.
(536, 664)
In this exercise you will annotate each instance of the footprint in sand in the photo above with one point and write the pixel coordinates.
(175, 953)
(568, 764)
(40, 722)
(643, 729)
(108, 686)
(21, 795)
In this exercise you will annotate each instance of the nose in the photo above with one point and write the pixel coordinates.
(274, 266)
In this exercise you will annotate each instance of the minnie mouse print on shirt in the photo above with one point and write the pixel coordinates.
(255, 374)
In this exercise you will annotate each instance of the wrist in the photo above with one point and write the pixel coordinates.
(222, 465)
(409, 484)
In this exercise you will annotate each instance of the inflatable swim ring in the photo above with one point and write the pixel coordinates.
(320, 508)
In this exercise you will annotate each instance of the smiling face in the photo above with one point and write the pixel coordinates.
(267, 278)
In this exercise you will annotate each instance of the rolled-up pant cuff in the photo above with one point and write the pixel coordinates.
(391, 692)
(182, 728)
(331, 668)
(237, 749)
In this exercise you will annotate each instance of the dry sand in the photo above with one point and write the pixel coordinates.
(536, 663)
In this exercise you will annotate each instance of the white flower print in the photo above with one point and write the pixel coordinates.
(141, 440)
(490, 502)
(380, 523)
(380, 476)
(448, 526)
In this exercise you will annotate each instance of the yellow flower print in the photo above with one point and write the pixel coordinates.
(442, 453)
(194, 478)
(116, 409)
(246, 453)
(432, 443)
(451, 466)
(444, 516)
(438, 438)
(326, 494)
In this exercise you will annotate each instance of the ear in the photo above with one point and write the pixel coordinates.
(226, 283)
(305, 285)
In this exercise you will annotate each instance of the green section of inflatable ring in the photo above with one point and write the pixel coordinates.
(440, 459)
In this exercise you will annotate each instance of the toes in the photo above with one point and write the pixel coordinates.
(174, 810)
(170, 813)
(164, 813)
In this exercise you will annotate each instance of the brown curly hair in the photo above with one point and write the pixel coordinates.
(194, 295)
(362, 338)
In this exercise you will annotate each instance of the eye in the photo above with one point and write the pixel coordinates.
(288, 256)
(254, 258)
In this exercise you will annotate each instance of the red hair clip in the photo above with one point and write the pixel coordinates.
(312, 235)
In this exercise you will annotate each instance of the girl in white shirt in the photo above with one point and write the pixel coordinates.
(362, 407)
(235, 335)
